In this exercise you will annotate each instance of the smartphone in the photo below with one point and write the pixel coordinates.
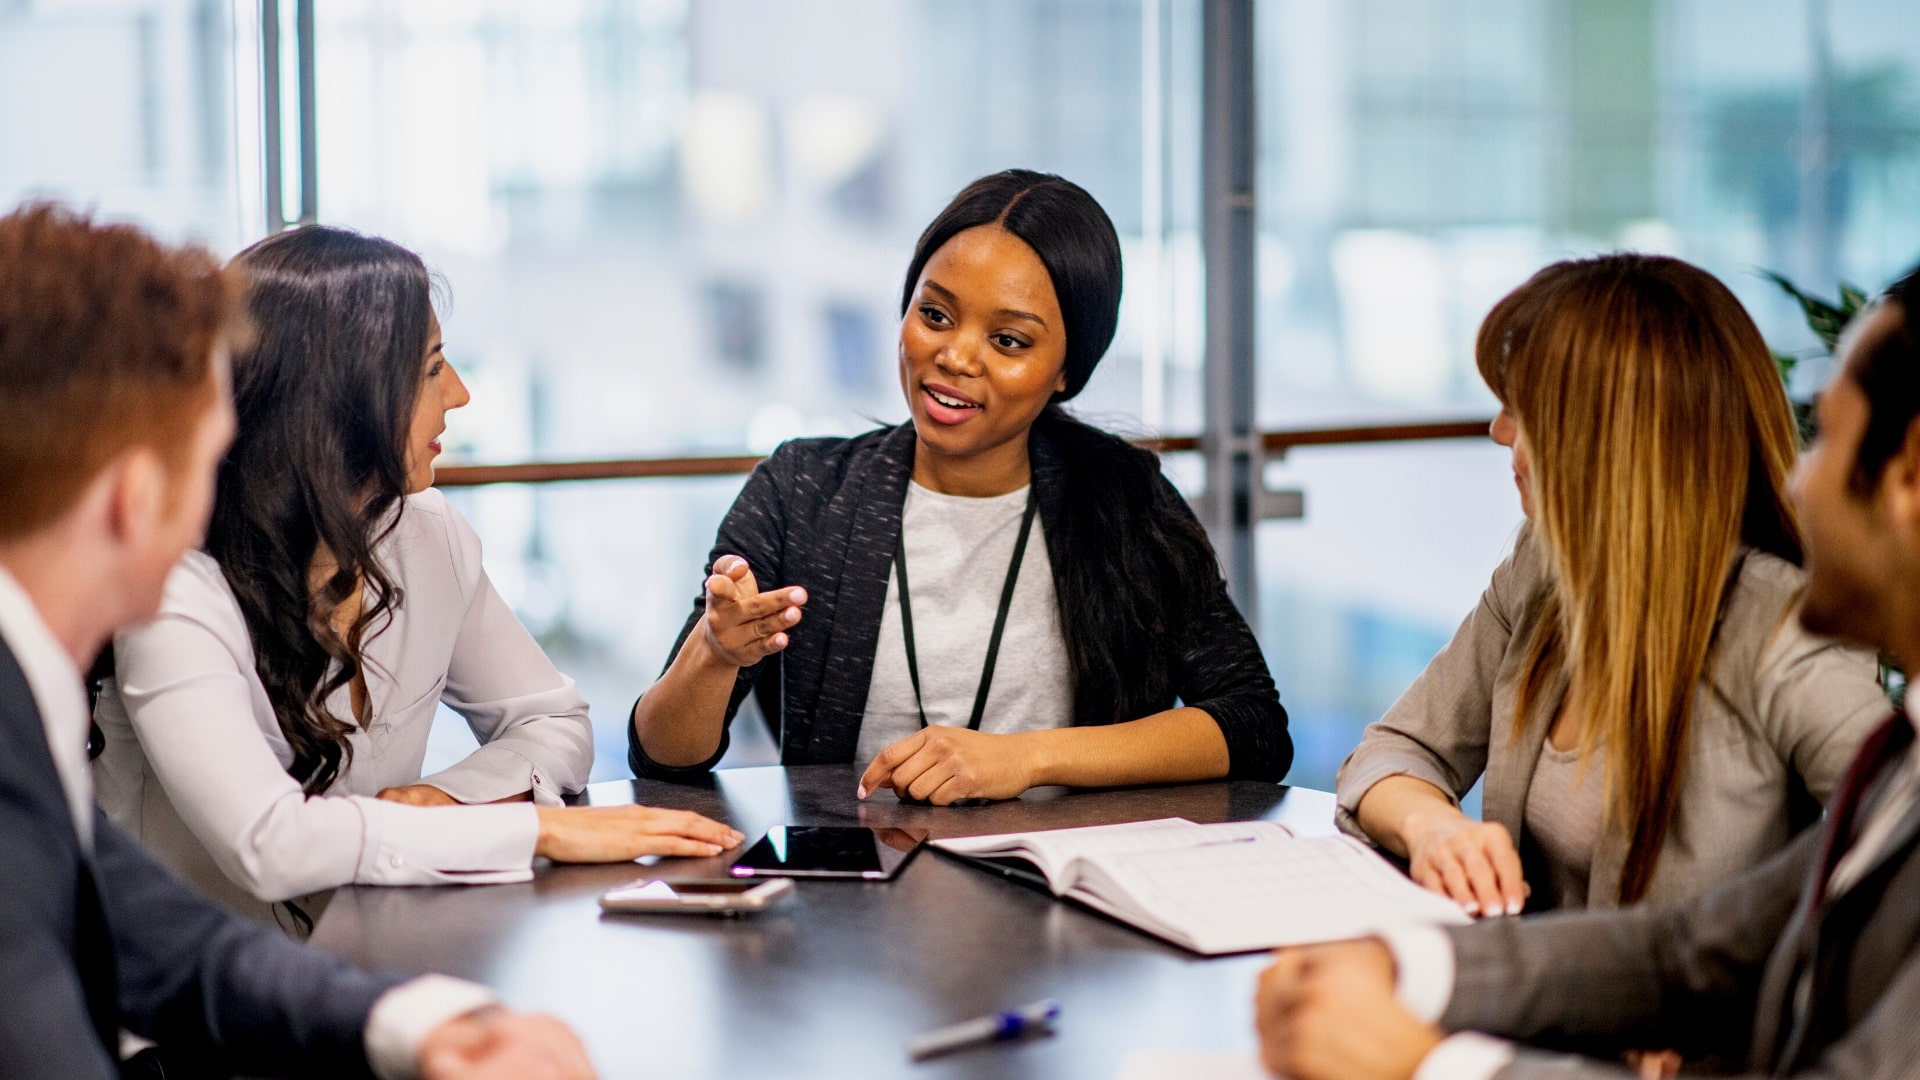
(654, 896)
(830, 851)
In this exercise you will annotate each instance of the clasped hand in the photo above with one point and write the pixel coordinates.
(942, 765)
(495, 1044)
(1328, 1012)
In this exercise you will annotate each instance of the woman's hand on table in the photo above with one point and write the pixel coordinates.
(596, 834)
(428, 795)
(1474, 863)
(942, 765)
(743, 625)
(418, 795)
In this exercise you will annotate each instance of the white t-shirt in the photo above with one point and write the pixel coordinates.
(958, 551)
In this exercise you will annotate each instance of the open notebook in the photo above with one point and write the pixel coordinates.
(1216, 889)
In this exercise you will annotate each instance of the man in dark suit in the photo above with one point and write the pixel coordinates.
(1807, 966)
(114, 413)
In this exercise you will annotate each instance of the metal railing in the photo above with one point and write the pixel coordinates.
(1273, 443)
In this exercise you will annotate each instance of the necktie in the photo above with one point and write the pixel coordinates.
(1883, 746)
(1886, 743)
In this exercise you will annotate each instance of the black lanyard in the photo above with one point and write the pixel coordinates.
(999, 620)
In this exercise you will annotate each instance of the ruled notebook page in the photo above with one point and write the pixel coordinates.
(1054, 851)
(1266, 892)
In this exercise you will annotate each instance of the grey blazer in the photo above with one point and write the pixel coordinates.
(1715, 978)
(1779, 716)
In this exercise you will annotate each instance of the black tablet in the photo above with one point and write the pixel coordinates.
(830, 851)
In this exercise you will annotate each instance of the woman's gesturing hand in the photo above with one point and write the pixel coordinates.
(587, 834)
(943, 764)
(1472, 862)
(744, 625)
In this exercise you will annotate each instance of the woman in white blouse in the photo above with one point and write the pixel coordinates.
(265, 735)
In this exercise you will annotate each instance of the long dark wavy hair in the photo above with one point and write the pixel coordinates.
(325, 399)
(1126, 578)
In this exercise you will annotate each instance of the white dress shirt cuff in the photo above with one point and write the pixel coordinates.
(442, 845)
(403, 1017)
(494, 772)
(1466, 1056)
(1423, 958)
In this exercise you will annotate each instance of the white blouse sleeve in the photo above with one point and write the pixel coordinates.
(531, 721)
(185, 685)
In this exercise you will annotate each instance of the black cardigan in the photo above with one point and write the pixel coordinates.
(825, 514)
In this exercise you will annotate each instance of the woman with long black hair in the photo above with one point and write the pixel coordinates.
(997, 596)
(265, 735)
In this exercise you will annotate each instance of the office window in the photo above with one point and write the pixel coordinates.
(1419, 158)
(673, 228)
(859, 356)
(143, 111)
(736, 321)
(679, 228)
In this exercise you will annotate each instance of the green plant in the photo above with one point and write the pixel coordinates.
(1828, 321)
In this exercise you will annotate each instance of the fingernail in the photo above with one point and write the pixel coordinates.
(1471, 908)
(1514, 906)
(861, 791)
(714, 849)
(799, 596)
(792, 615)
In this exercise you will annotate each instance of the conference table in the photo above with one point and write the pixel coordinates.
(832, 983)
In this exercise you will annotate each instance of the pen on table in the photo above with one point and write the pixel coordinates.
(999, 1027)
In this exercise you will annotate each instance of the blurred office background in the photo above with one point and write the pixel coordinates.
(674, 227)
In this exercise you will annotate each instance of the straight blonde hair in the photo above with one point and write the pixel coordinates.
(1660, 439)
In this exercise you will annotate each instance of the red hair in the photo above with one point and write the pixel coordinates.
(107, 340)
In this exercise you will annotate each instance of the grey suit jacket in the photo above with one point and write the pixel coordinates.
(1779, 716)
(1715, 977)
(92, 942)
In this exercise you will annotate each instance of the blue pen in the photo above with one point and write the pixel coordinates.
(1000, 1027)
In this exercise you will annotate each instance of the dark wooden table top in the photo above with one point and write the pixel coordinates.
(833, 983)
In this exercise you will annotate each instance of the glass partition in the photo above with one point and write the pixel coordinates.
(1420, 158)
(675, 228)
(142, 110)
(670, 228)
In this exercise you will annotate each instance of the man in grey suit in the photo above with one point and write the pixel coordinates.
(1809, 965)
(114, 413)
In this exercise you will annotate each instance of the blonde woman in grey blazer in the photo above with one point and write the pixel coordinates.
(1781, 712)
(1695, 727)
(1806, 966)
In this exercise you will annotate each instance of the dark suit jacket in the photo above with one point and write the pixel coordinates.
(825, 513)
(1716, 977)
(91, 944)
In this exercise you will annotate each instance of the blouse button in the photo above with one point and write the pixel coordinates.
(395, 861)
